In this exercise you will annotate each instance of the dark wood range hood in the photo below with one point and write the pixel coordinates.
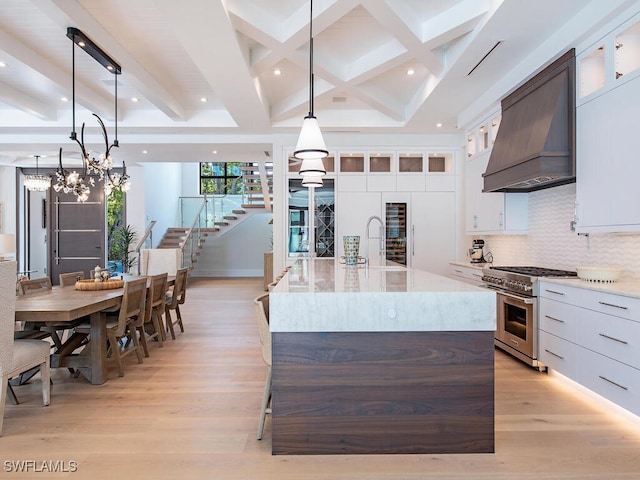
(535, 145)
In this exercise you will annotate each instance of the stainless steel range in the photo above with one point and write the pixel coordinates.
(517, 308)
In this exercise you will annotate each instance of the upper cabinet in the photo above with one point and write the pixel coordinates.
(607, 114)
(489, 213)
(609, 62)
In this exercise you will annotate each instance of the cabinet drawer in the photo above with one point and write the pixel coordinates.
(558, 354)
(612, 304)
(614, 337)
(613, 380)
(466, 274)
(618, 305)
(558, 318)
(562, 293)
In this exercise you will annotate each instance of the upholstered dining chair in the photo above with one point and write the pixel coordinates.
(152, 326)
(17, 356)
(261, 304)
(69, 279)
(176, 298)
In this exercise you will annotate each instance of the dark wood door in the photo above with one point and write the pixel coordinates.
(77, 232)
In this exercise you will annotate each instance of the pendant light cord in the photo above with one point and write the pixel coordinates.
(311, 59)
(73, 90)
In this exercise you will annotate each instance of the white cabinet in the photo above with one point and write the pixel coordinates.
(432, 231)
(491, 213)
(608, 107)
(594, 338)
(466, 273)
(607, 194)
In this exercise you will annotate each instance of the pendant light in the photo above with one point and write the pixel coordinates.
(312, 182)
(312, 167)
(310, 142)
(37, 182)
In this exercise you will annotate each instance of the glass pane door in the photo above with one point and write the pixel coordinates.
(396, 232)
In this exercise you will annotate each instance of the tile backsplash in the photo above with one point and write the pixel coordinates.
(551, 243)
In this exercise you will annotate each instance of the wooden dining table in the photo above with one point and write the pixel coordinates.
(66, 304)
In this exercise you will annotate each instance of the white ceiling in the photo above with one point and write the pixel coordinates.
(173, 53)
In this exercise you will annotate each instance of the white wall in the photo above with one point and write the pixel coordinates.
(8, 199)
(162, 187)
(239, 252)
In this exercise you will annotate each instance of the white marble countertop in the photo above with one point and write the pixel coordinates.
(323, 295)
(627, 288)
(479, 266)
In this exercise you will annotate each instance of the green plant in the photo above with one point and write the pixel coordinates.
(122, 241)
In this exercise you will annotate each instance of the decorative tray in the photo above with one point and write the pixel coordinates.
(93, 285)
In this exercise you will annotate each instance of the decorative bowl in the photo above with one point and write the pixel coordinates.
(599, 274)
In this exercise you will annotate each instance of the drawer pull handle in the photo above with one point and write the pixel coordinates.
(514, 342)
(554, 354)
(553, 291)
(458, 271)
(479, 275)
(613, 338)
(613, 383)
(556, 319)
(612, 305)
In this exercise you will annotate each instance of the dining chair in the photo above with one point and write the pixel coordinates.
(121, 330)
(70, 279)
(53, 329)
(152, 326)
(17, 356)
(174, 300)
(261, 304)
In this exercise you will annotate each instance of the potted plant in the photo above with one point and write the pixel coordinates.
(121, 246)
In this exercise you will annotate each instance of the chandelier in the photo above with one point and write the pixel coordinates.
(36, 182)
(93, 165)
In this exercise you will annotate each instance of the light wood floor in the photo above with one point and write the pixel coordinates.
(191, 411)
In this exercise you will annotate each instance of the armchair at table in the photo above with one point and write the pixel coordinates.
(17, 356)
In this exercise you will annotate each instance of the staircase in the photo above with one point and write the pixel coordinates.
(257, 184)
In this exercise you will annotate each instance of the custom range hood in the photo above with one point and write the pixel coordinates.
(535, 145)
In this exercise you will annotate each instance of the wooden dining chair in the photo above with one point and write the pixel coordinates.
(261, 304)
(70, 279)
(17, 356)
(174, 300)
(121, 329)
(34, 285)
(152, 326)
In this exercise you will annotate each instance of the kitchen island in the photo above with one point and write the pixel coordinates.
(380, 360)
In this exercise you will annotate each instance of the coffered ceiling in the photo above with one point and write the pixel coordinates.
(203, 72)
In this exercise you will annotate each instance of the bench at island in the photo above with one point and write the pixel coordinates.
(380, 360)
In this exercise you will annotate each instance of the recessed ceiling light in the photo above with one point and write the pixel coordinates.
(144, 152)
(64, 99)
(277, 71)
(134, 99)
(2, 64)
(411, 71)
(215, 152)
(203, 99)
(81, 44)
(438, 125)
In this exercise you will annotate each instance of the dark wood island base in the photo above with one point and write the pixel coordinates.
(383, 392)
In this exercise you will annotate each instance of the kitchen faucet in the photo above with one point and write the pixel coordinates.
(380, 237)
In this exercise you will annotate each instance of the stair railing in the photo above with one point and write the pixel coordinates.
(227, 201)
(193, 233)
(145, 241)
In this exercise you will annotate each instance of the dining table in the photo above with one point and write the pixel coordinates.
(66, 304)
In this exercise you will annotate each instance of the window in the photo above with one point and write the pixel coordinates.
(220, 177)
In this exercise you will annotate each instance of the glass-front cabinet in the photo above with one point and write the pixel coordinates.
(396, 232)
(300, 218)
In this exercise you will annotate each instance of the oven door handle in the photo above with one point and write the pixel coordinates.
(527, 300)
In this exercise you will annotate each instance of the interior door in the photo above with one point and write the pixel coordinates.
(77, 232)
